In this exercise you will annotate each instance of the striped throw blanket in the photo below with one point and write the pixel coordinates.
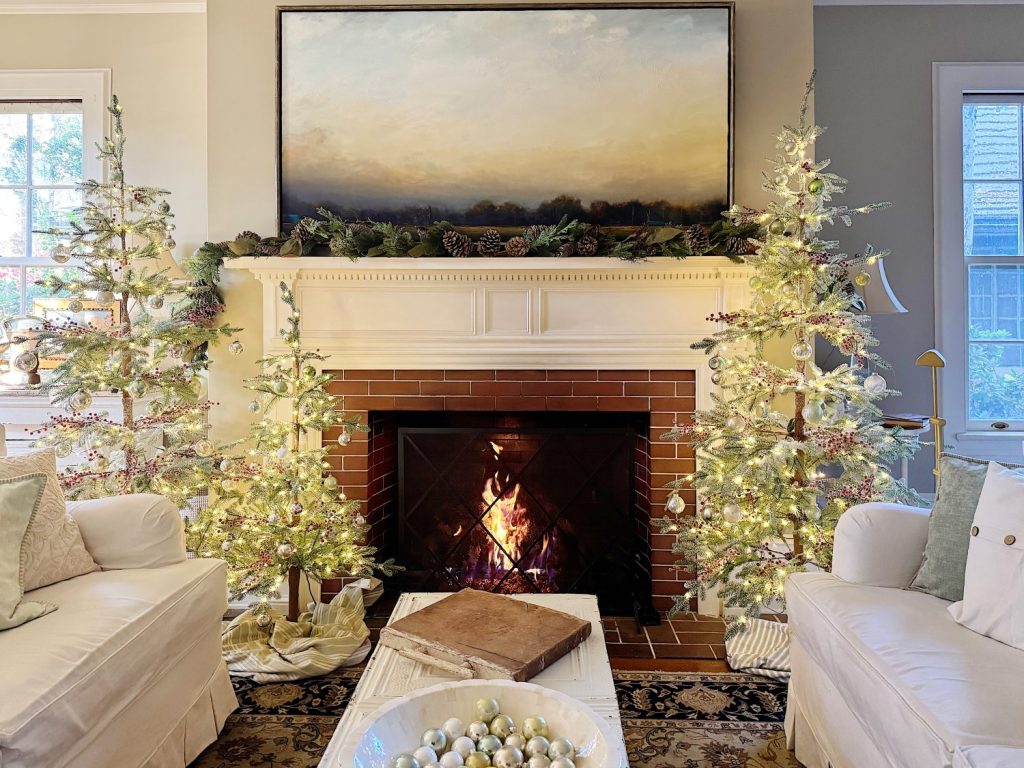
(329, 636)
(762, 650)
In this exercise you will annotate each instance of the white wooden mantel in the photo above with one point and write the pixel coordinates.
(502, 313)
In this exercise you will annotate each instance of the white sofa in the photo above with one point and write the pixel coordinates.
(883, 676)
(127, 672)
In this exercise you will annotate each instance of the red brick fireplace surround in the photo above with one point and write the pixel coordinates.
(365, 468)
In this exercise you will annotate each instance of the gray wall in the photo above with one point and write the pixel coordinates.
(874, 93)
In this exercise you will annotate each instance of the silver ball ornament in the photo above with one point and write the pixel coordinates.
(802, 351)
(61, 254)
(561, 747)
(464, 746)
(280, 387)
(537, 745)
(136, 388)
(489, 744)
(875, 384)
(235, 347)
(80, 400)
(406, 761)
(813, 412)
(434, 738)
(675, 505)
(273, 518)
(789, 147)
(104, 297)
(254, 406)
(507, 757)
(156, 301)
(562, 762)
(226, 545)
(263, 620)
(732, 512)
(538, 761)
(226, 465)
(282, 452)
(715, 362)
(425, 755)
(285, 550)
(26, 361)
(75, 305)
(345, 437)
(296, 510)
(707, 513)
(735, 423)
(716, 378)
(516, 740)
(63, 450)
(451, 759)
(477, 730)
(452, 727)
(204, 448)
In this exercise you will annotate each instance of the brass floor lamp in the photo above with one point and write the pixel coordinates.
(933, 359)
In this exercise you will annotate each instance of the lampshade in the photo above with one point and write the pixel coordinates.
(877, 294)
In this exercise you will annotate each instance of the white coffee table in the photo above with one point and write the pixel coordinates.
(585, 673)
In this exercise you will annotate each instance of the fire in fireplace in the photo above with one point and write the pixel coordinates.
(531, 502)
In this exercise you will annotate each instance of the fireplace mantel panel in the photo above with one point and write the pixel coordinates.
(501, 313)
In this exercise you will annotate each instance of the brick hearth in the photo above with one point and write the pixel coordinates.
(365, 468)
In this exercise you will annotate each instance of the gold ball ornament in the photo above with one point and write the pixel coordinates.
(75, 305)
(502, 726)
(862, 279)
(477, 760)
(204, 448)
(487, 709)
(331, 482)
(815, 186)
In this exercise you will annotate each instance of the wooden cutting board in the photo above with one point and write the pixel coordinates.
(474, 634)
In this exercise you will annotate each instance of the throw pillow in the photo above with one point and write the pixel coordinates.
(53, 549)
(993, 603)
(949, 526)
(19, 503)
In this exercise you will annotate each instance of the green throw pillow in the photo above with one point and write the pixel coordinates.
(949, 526)
(19, 500)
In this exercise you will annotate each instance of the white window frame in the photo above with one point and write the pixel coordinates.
(950, 82)
(89, 86)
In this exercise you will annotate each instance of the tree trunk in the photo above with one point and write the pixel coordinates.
(293, 593)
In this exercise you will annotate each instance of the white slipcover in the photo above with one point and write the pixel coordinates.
(127, 673)
(139, 531)
(884, 676)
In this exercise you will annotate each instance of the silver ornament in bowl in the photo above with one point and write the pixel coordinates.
(537, 745)
(489, 744)
(435, 738)
(516, 740)
(507, 757)
(477, 730)
(463, 745)
(562, 762)
(538, 761)
(561, 747)
(405, 761)
(502, 726)
(451, 759)
(535, 726)
(453, 727)
(426, 755)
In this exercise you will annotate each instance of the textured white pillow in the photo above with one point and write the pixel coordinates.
(993, 603)
(53, 549)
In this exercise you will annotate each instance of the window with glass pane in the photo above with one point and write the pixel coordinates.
(994, 256)
(41, 154)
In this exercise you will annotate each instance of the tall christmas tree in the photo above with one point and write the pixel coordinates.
(149, 354)
(278, 514)
(786, 448)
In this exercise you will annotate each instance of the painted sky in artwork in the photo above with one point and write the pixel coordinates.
(448, 108)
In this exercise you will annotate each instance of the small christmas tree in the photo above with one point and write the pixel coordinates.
(278, 514)
(772, 484)
(150, 354)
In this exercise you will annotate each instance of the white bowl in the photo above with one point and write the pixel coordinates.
(397, 726)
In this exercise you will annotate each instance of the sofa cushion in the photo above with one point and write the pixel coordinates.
(984, 756)
(53, 548)
(115, 635)
(918, 682)
(19, 502)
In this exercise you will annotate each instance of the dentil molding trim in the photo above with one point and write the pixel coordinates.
(86, 7)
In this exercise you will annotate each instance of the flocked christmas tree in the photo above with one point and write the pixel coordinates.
(278, 513)
(151, 353)
(786, 448)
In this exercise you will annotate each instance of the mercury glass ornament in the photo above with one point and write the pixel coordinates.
(732, 512)
(307, 410)
(755, 282)
(561, 747)
(502, 726)
(282, 452)
(780, 179)
(227, 484)
(815, 186)
(406, 761)
(156, 301)
(308, 371)
(80, 400)
(675, 504)
(477, 730)
(285, 550)
(716, 378)
(226, 465)
(169, 243)
(235, 347)
(813, 412)
(263, 620)
(507, 757)
(273, 518)
(516, 740)
(489, 744)
(75, 305)
(332, 482)
(861, 279)
(707, 513)
(204, 448)
(464, 745)
(562, 762)
(451, 759)
(735, 422)
(254, 406)
(434, 738)
(802, 351)
(226, 545)
(154, 407)
(538, 761)
(537, 745)
(477, 760)
(425, 755)
(26, 361)
(63, 450)
(874, 384)
(715, 363)
(345, 437)
(280, 387)
(61, 254)
(136, 388)
(104, 297)
(789, 147)
(296, 510)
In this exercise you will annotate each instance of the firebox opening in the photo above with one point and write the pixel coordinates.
(526, 502)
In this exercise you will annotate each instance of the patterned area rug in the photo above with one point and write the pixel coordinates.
(670, 719)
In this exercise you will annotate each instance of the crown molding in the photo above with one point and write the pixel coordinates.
(975, 3)
(44, 7)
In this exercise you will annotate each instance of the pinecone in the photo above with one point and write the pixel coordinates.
(566, 250)
(740, 246)
(305, 229)
(586, 246)
(517, 246)
(457, 244)
(248, 234)
(531, 233)
(697, 238)
(490, 241)
(266, 249)
(358, 228)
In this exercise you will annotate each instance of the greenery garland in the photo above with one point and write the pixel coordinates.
(372, 239)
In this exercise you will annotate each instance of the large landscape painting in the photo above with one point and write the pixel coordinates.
(507, 116)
